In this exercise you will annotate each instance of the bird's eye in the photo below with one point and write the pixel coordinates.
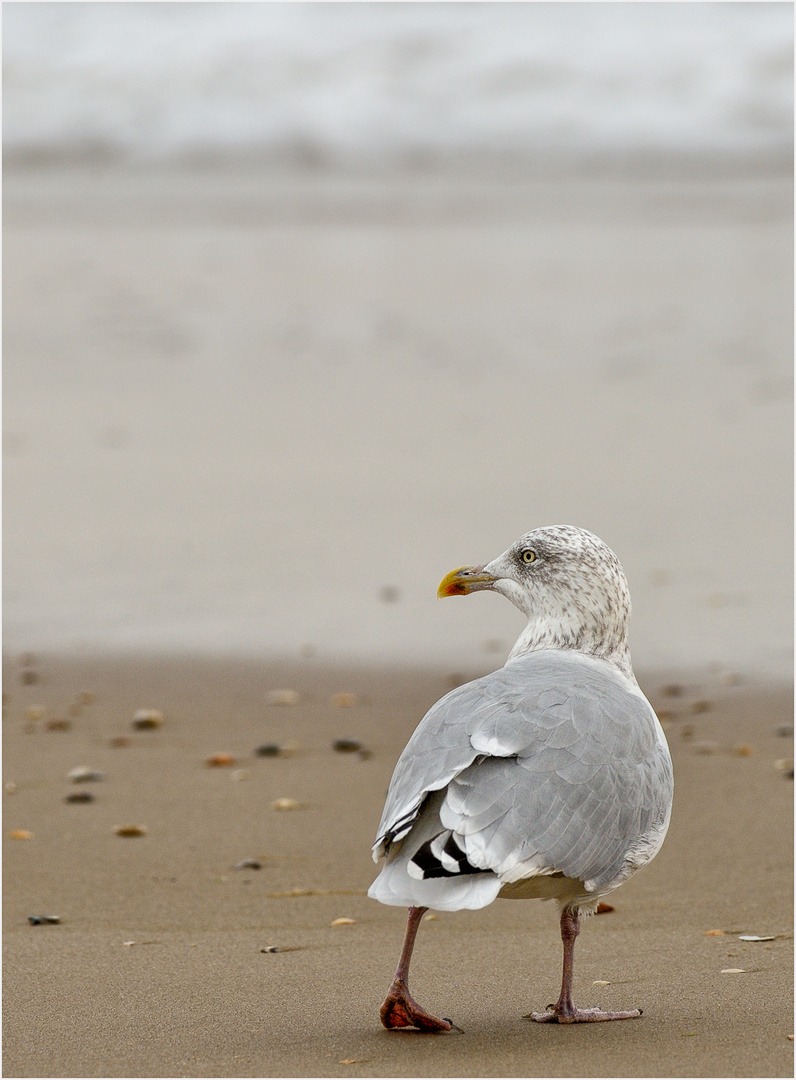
(528, 555)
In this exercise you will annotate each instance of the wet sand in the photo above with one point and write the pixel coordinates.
(157, 966)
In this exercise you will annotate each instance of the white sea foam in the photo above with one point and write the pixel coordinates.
(377, 81)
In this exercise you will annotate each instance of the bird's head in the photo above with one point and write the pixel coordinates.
(568, 583)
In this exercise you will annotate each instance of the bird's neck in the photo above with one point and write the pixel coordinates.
(543, 633)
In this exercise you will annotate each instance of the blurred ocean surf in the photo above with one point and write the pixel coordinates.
(410, 85)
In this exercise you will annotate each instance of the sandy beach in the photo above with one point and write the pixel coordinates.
(249, 424)
(157, 966)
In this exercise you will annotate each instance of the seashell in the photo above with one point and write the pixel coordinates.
(20, 834)
(271, 949)
(40, 920)
(283, 697)
(603, 909)
(757, 937)
(249, 864)
(285, 804)
(342, 922)
(130, 830)
(346, 746)
(79, 797)
(601, 982)
(83, 775)
(220, 761)
(733, 971)
(146, 719)
(344, 701)
(705, 747)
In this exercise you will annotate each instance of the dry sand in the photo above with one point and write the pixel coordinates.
(157, 966)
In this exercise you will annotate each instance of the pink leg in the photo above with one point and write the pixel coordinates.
(400, 1010)
(564, 1010)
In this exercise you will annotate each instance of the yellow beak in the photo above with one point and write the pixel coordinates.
(465, 579)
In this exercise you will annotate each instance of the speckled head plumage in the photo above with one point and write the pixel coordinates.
(568, 583)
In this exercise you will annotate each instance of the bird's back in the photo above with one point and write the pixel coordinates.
(553, 765)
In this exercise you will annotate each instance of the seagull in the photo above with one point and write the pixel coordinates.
(549, 778)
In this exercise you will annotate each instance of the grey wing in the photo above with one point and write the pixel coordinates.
(551, 765)
(439, 749)
(590, 800)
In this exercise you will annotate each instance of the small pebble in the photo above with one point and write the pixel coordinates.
(686, 731)
(147, 719)
(220, 761)
(40, 920)
(130, 830)
(601, 982)
(270, 749)
(20, 834)
(34, 713)
(119, 740)
(730, 678)
(58, 724)
(79, 797)
(285, 804)
(701, 706)
(344, 701)
(713, 933)
(342, 922)
(672, 690)
(10, 787)
(733, 971)
(783, 764)
(29, 678)
(82, 775)
(346, 746)
(784, 731)
(249, 864)
(743, 750)
(603, 909)
(86, 697)
(239, 774)
(283, 697)
(271, 949)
